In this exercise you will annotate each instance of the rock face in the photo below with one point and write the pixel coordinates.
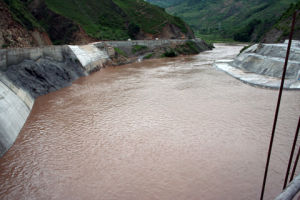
(60, 29)
(262, 65)
(281, 30)
(44, 75)
(13, 34)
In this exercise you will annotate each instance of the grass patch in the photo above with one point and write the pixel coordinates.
(245, 47)
(194, 49)
(189, 48)
(137, 48)
(120, 51)
(214, 38)
(148, 56)
(169, 53)
(4, 46)
(21, 14)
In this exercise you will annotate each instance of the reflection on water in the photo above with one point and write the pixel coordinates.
(161, 129)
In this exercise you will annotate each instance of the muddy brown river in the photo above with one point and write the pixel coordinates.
(168, 129)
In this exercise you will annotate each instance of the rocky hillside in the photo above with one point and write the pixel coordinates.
(242, 20)
(13, 33)
(82, 21)
(280, 31)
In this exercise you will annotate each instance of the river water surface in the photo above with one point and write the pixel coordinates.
(169, 129)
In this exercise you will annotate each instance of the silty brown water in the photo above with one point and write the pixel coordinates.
(162, 129)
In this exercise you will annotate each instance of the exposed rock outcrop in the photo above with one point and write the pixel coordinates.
(281, 30)
(13, 34)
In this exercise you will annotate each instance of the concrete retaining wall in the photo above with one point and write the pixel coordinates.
(148, 43)
(15, 56)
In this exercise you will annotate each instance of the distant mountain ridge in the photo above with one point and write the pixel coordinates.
(228, 17)
(82, 21)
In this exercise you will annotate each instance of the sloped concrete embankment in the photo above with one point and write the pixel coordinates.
(26, 74)
(262, 65)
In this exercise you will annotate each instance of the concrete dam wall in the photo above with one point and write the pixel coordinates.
(262, 65)
(28, 73)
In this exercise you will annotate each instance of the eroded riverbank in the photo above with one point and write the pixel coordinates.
(160, 129)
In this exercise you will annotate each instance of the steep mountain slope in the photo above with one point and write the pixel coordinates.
(280, 31)
(118, 19)
(82, 21)
(228, 17)
(165, 3)
(13, 33)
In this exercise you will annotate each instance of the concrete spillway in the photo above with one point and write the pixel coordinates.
(262, 65)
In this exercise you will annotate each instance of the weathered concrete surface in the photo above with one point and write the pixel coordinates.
(291, 190)
(16, 56)
(262, 65)
(90, 57)
(13, 114)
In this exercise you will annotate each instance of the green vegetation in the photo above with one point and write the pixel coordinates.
(120, 51)
(165, 3)
(21, 14)
(283, 24)
(213, 38)
(240, 19)
(188, 48)
(169, 53)
(149, 18)
(100, 19)
(137, 48)
(133, 30)
(108, 19)
(148, 56)
(4, 46)
(245, 47)
(244, 34)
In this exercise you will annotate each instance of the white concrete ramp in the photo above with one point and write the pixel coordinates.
(89, 56)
